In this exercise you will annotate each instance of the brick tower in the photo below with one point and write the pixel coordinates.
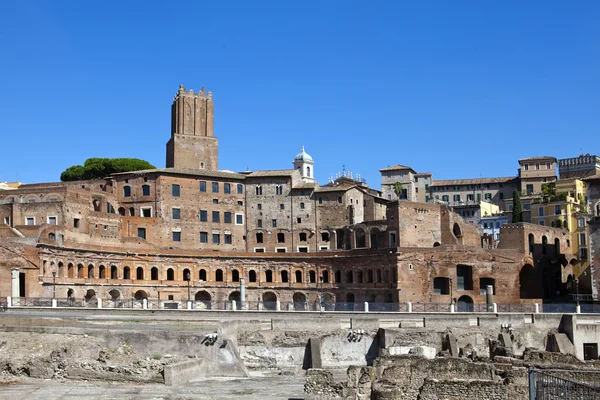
(192, 143)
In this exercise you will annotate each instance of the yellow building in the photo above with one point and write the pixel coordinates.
(564, 205)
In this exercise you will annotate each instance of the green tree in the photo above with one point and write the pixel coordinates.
(398, 187)
(95, 168)
(517, 213)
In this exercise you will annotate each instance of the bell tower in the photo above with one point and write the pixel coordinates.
(192, 144)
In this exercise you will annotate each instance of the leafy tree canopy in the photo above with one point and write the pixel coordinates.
(95, 168)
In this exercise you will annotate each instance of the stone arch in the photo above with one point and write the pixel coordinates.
(187, 274)
(268, 275)
(114, 294)
(312, 276)
(204, 299)
(140, 295)
(252, 276)
(235, 295)
(202, 275)
(114, 272)
(90, 295)
(51, 236)
(299, 300)
(325, 276)
(139, 273)
(544, 245)
(235, 275)
(465, 304)
(70, 270)
(370, 297)
(80, 271)
(70, 293)
(269, 300)
(436, 244)
(360, 238)
(457, 231)
(170, 274)
(121, 211)
(61, 270)
(528, 282)
(90, 272)
(556, 246)
(154, 274)
(284, 276)
(126, 272)
(350, 298)
(531, 242)
(219, 275)
(102, 272)
(374, 236)
(298, 275)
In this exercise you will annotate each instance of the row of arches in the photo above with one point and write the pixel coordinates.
(295, 275)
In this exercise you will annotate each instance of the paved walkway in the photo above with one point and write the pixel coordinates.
(262, 388)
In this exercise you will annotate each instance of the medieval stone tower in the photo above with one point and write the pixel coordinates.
(192, 143)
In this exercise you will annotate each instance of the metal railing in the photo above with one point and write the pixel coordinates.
(227, 305)
(564, 384)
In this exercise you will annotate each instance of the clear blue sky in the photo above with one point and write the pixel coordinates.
(457, 88)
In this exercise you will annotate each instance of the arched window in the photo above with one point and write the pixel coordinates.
(121, 211)
(70, 271)
(101, 272)
(61, 269)
(556, 246)
(531, 242)
(312, 276)
(544, 244)
(126, 191)
(252, 276)
(126, 273)
(90, 271)
(325, 277)
(139, 274)
(298, 276)
(284, 276)
(219, 275)
(131, 212)
(259, 190)
(235, 275)
(338, 276)
(359, 276)
(80, 271)
(114, 272)
(349, 277)
(307, 171)
(202, 275)
(170, 274)
(370, 276)
(378, 276)
(269, 275)
(187, 276)
(154, 274)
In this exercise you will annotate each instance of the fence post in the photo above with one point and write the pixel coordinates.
(366, 306)
(495, 308)
(578, 309)
(8, 301)
(537, 308)
(409, 307)
(99, 303)
(189, 305)
(53, 303)
(278, 305)
(145, 304)
(452, 307)
(233, 305)
(531, 383)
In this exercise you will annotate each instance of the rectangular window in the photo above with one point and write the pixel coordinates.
(509, 207)
(478, 196)
(303, 249)
(142, 233)
(426, 186)
(501, 196)
(280, 249)
(146, 212)
(216, 238)
(540, 211)
(177, 236)
(527, 207)
(29, 220)
(282, 206)
(216, 217)
(215, 187)
(215, 201)
(340, 199)
(203, 237)
(557, 210)
(240, 188)
(488, 196)
(302, 206)
(582, 239)
(543, 223)
(583, 253)
(227, 238)
(227, 217)
(259, 223)
(581, 222)
(202, 186)
(299, 220)
(526, 167)
(175, 190)
(176, 213)
(146, 190)
(203, 216)
(470, 197)
(239, 219)
(529, 188)
(456, 197)
(51, 220)
(274, 223)
(464, 277)
(259, 206)
(240, 203)
(227, 188)
(75, 222)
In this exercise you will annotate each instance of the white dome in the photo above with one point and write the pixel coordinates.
(303, 156)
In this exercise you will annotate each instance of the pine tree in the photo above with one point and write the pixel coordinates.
(517, 212)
